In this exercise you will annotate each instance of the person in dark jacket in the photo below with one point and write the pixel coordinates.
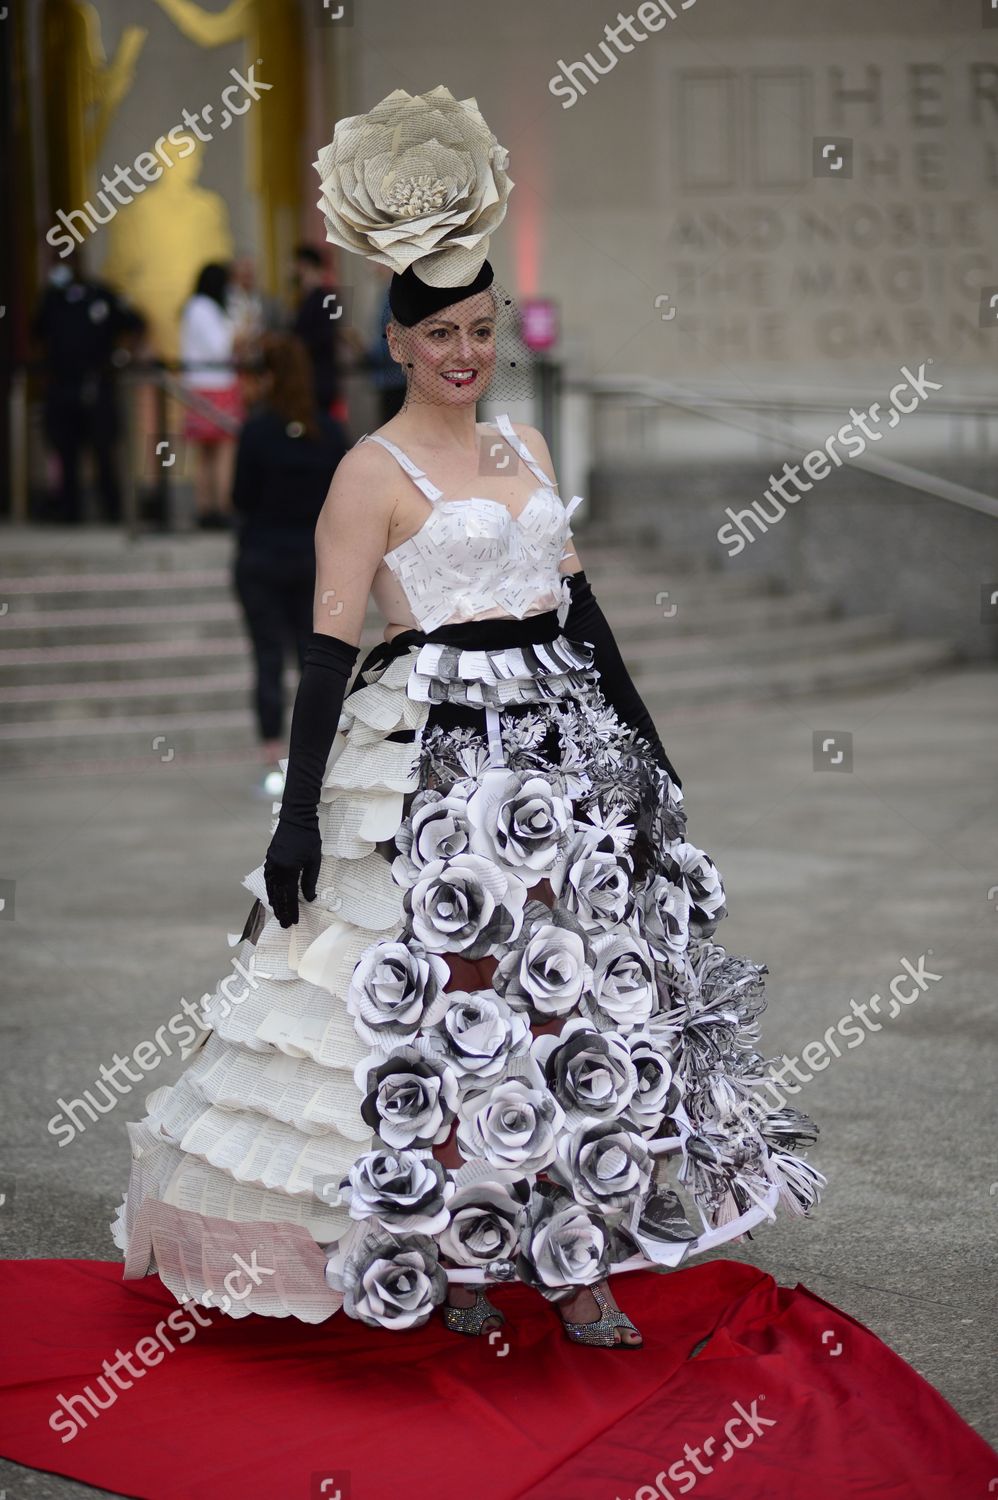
(81, 326)
(287, 453)
(316, 323)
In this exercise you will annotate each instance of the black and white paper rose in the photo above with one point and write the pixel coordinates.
(603, 1164)
(410, 1097)
(666, 911)
(658, 1092)
(484, 1225)
(514, 1125)
(592, 878)
(404, 1190)
(395, 989)
(547, 969)
(590, 1073)
(466, 905)
(563, 1245)
(389, 1280)
(478, 1033)
(518, 819)
(689, 867)
(623, 995)
(436, 828)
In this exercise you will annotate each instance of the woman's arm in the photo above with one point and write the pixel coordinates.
(351, 538)
(586, 621)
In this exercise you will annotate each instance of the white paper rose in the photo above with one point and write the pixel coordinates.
(410, 1099)
(515, 1125)
(465, 905)
(484, 1225)
(547, 970)
(666, 910)
(590, 1073)
(592, 878)
(405, 1190)
(478, 1034)
(395, 989)
(518, 819)
(658, 1091)
(603, 1164)
(419, 179)
(689, 867)
(563, 1245)
(436, 828)
(623, 994)
(390, 1280)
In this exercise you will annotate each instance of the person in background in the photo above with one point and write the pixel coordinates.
(83, 330)
(317, 323)
(207, 337)
(387, 377)
(287, 454)
(251, 310)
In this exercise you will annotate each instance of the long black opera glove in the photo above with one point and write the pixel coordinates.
(585, 621)
(295, 851)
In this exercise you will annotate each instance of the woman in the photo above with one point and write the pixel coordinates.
(207, 334)
(471, 1052)
(286, 457)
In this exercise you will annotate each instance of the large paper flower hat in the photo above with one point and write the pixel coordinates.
(418, 184)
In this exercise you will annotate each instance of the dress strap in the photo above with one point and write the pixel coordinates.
(505, 426)
(417, 476)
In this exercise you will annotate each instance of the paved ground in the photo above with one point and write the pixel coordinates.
(127, 884)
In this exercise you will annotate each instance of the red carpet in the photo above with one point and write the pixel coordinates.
(814, 1404)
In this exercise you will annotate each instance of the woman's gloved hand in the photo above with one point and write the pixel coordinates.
(295, 852)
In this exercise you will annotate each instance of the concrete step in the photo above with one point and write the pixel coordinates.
(846, 671)
(49, 593)
(667, 654)
(168, 696)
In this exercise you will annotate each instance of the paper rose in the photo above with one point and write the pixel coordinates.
(410, 1099)
(484, 1225)
(687, 866)
(519, 820)
(666, 909)
(478, 1034)
(514, 1125)
(436, 828)
(623, 994)
(603, 1164)
(395, 989)
(465, 905)
(658, 1093)
(390, 1280)
(593, 878)
(420, 179)
(547, 970)
(590, 1073)
(405, 1190)
(562, 1244)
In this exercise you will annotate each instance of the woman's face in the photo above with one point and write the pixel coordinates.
(452, 353)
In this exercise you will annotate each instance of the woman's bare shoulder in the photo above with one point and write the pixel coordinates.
(363, 492)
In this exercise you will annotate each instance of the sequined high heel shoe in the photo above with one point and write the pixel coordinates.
(472, 1319)
(600, 1330)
